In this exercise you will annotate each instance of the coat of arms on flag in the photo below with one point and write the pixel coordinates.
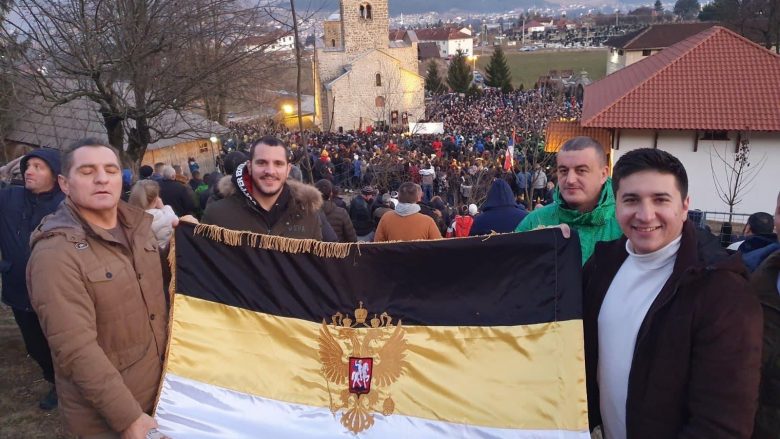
(467, 337)
(378, 340)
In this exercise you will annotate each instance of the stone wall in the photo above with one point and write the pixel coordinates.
(332, 34)
(361, 34)
(356, 93)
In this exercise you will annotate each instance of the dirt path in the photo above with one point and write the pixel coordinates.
(21, 386)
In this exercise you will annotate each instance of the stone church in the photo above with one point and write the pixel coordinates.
(362, 76)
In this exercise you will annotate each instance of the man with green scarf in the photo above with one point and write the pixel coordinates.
(583, 198)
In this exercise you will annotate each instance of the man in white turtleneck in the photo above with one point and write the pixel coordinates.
(673, 343)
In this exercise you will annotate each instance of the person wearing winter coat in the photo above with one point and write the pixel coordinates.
(21, 210)
(461, 225)
(96, 284)
(337, 217)
(264, 200)
(583, 198)
(765, 281)
(672, 330)
(500, 213)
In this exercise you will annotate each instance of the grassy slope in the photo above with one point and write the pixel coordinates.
(21, 386)
(526, 67)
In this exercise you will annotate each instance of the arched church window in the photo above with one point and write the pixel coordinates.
(368, 12)
(380, 101)
(378, 80)
(332, 43)
(362, 11)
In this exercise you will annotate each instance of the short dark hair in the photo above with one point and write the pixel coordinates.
(408, 192)
(584, 142)
(67, 158)
(269, 141)
(650, 159)
(761, 223)
(325, 187)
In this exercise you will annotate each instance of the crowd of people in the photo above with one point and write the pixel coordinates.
(674, 326)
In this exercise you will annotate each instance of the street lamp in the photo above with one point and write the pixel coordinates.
(473, 59)
(287, 109)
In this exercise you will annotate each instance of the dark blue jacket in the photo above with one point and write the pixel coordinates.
(500, 213)
(20, 213)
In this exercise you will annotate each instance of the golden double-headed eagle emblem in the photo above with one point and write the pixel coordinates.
(360, 360)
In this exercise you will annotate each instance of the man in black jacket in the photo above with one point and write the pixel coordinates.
(21, 210)
(175, 194)
(672, 338)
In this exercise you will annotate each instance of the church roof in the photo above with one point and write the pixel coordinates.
(714, 80)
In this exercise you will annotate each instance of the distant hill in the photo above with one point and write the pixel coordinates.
(417, 6)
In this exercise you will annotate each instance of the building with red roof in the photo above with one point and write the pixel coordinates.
(627, 49)
(698, 99)
(448, 40)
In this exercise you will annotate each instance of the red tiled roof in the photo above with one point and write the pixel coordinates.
(440, 34)
(715, 80)
(657, 36)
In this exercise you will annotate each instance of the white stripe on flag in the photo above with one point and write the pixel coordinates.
(194, 410)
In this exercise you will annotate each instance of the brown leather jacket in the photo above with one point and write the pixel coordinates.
(102, 308)
(696, 364)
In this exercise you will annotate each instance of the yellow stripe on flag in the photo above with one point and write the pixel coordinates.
(518, 377)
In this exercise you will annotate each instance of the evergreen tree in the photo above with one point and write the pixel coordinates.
(432, 79)
(687, 9)
(497, 73)
(459, 73)
(659, 7)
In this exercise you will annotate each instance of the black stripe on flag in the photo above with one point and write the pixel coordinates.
(501, 280)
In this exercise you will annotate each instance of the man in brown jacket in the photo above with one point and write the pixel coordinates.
(95, 282)
(406, 223)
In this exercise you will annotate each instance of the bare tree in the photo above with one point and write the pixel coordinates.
(138, 60)
(733, 174)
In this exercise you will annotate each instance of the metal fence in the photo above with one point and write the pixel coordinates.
(718, 223)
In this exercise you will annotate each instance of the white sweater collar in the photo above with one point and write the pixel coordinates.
(656, 259)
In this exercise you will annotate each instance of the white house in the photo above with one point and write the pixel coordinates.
(448, 40)
(634, 46)
(698, 100)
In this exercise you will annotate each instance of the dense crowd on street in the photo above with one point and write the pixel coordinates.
(680, 334)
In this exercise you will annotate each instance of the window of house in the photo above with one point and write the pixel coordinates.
(332, 43)
(380, 101)
(378, 80)
(646, 52)
(203, 148)
(362, 11)
(368, 12)
(714, 135)
(620, 52)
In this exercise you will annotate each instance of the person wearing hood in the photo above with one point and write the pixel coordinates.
(406, 223)
(264, 200)
(584, 198)
(673, 334)
(500, 213)
(21, 210)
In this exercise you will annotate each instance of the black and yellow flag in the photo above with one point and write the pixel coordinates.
(471, 337)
